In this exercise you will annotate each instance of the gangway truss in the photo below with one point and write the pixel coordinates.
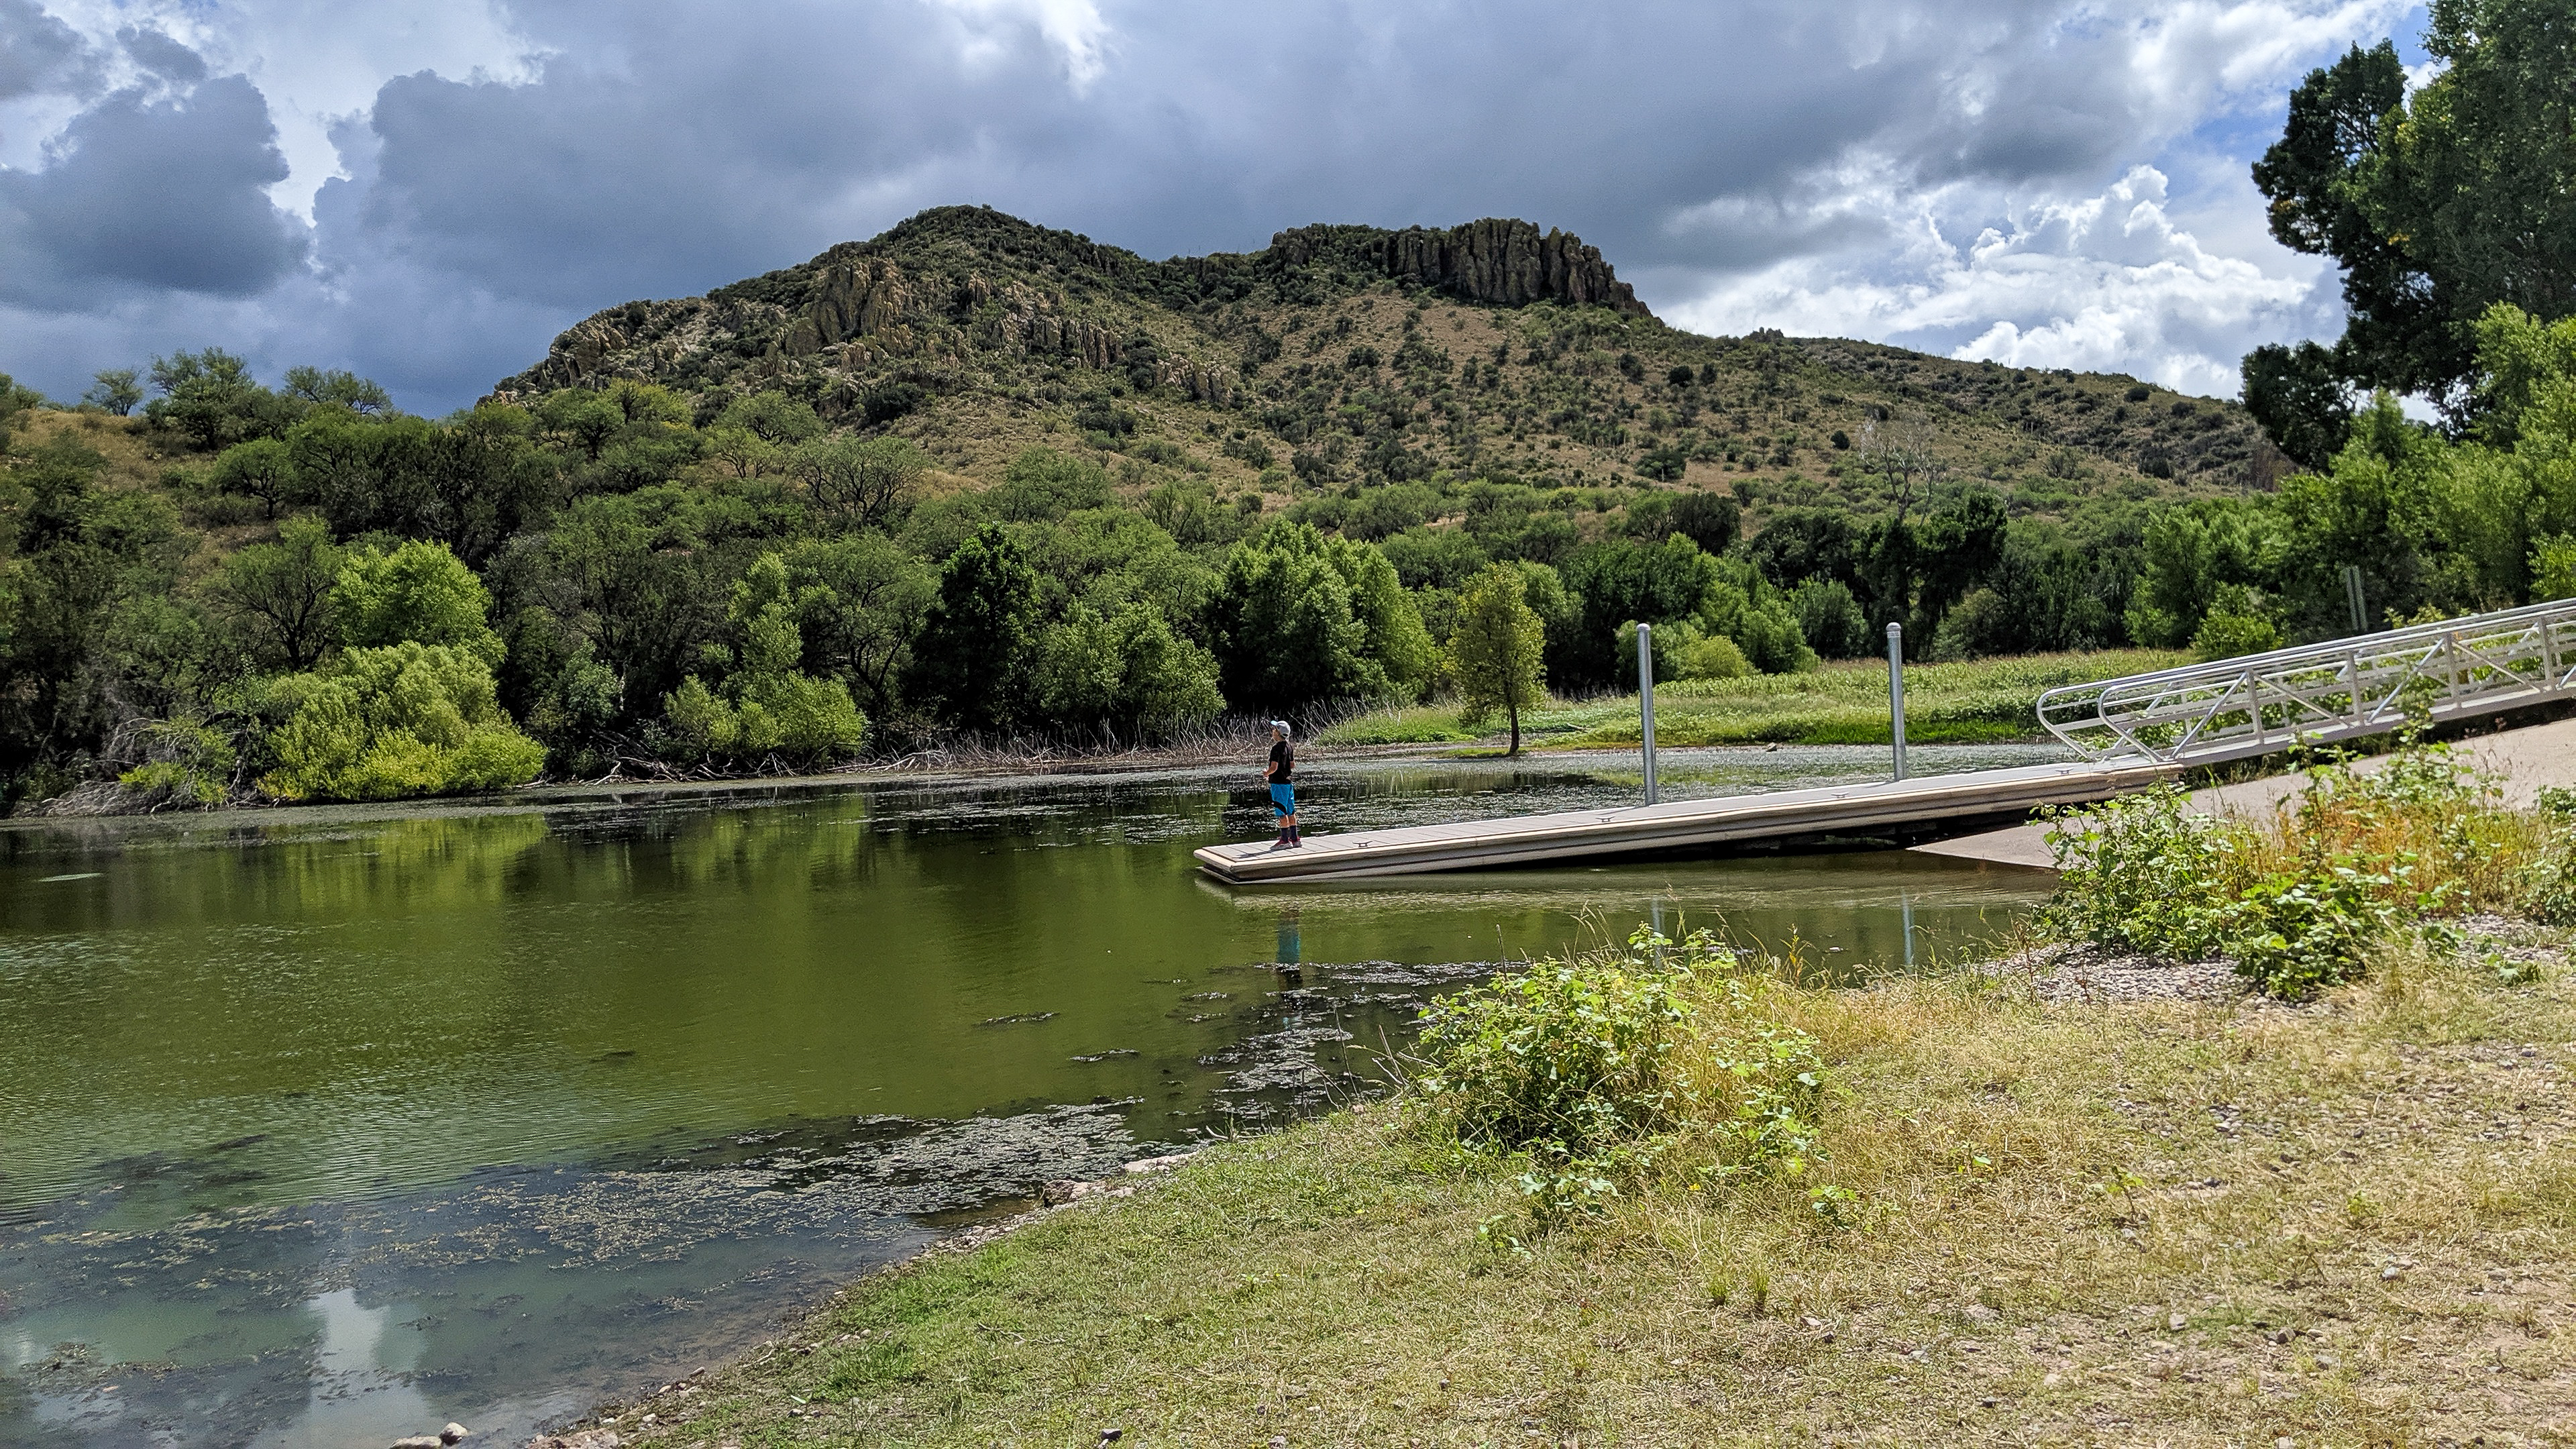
(2320, 693)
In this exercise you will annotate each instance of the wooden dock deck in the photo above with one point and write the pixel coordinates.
(1921, 808)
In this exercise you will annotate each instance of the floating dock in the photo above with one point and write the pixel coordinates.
(1889, 810)
(2131, 732)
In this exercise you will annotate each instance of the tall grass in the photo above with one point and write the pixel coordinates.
(1841, 703)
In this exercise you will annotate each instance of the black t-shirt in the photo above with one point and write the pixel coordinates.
(1283, 760)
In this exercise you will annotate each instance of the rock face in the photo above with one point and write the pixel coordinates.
(854, 299)
(1499, 260)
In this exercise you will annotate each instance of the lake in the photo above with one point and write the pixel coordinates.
(326, 1126)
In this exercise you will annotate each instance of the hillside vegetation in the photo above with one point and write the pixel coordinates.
(979, 478)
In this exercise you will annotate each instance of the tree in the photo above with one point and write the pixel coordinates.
(773, 417)
(419, 592)
(1619, 582)
(406, 719)
(1830, 618)
(211, 398)
(2299, 396)
(115, 391)
(1707, 519)
(1495, 647)
(1128, 671)
(859, 602)
(80, 568)
(1394, 638)
(281, 592)
(480, 482)
(262, 468)
(769, 706)
(1042, 485)
(1300, 618)
(859, 483)
(339, 386)
(972, 663)
(2436, 205)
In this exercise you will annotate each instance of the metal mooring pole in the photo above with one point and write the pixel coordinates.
(2352, 596)
(1896, 691)
(1646, 700)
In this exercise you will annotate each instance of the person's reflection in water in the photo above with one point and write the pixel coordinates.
(1290, 952)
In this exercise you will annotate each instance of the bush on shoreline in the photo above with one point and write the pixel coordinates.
(1591, 1075)
(2296, 902)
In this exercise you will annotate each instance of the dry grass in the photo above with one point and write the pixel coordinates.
(2139, 1223)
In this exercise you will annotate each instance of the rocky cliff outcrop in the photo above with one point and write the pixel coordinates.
(1500, 260)
(851, 300)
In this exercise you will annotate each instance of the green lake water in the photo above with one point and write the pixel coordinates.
(323, 1127)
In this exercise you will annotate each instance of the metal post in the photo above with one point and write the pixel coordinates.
(2352, 596)
(1646, 700)
(1896, 691)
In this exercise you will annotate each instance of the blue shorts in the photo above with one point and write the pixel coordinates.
(1283, 799)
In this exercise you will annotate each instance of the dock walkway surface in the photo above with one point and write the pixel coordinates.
(2129, 732)
(2524, 760)
(1958, 815)
(1933, 804)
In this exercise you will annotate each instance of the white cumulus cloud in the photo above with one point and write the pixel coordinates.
(2106, 282)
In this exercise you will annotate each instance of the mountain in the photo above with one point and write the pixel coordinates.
(1344, 356)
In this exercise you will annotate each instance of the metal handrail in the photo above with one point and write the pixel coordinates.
(2318, 693)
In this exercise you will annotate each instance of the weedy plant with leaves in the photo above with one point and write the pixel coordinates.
(2359, 858)
(1592, 1073)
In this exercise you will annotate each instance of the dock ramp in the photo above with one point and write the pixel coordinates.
(2129, 733)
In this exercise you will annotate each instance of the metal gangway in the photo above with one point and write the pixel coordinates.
(2319, 693)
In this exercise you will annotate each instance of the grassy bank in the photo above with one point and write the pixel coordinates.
(1842, 703)
(2160, 1221)
(1668, 1196)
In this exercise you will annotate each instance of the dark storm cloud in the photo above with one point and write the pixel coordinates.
(40, 54)
(660, 147)
(643, 161)
(157, 53)
(657, 152)
(151, 193)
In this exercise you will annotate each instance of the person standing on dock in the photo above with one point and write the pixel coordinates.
(1283, 790)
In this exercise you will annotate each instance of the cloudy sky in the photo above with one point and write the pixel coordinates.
(427, 192)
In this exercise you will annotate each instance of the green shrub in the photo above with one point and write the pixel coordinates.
(800, 718)
(1831, 619)
(186, 766)
(2293, 934)
(2362, 859)
(1590, 1072)
(2135, 874)
(405, 719)
(2234, 627)
(699, 723)
(1576, 1055)
(420, 592)
(1715, 657)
